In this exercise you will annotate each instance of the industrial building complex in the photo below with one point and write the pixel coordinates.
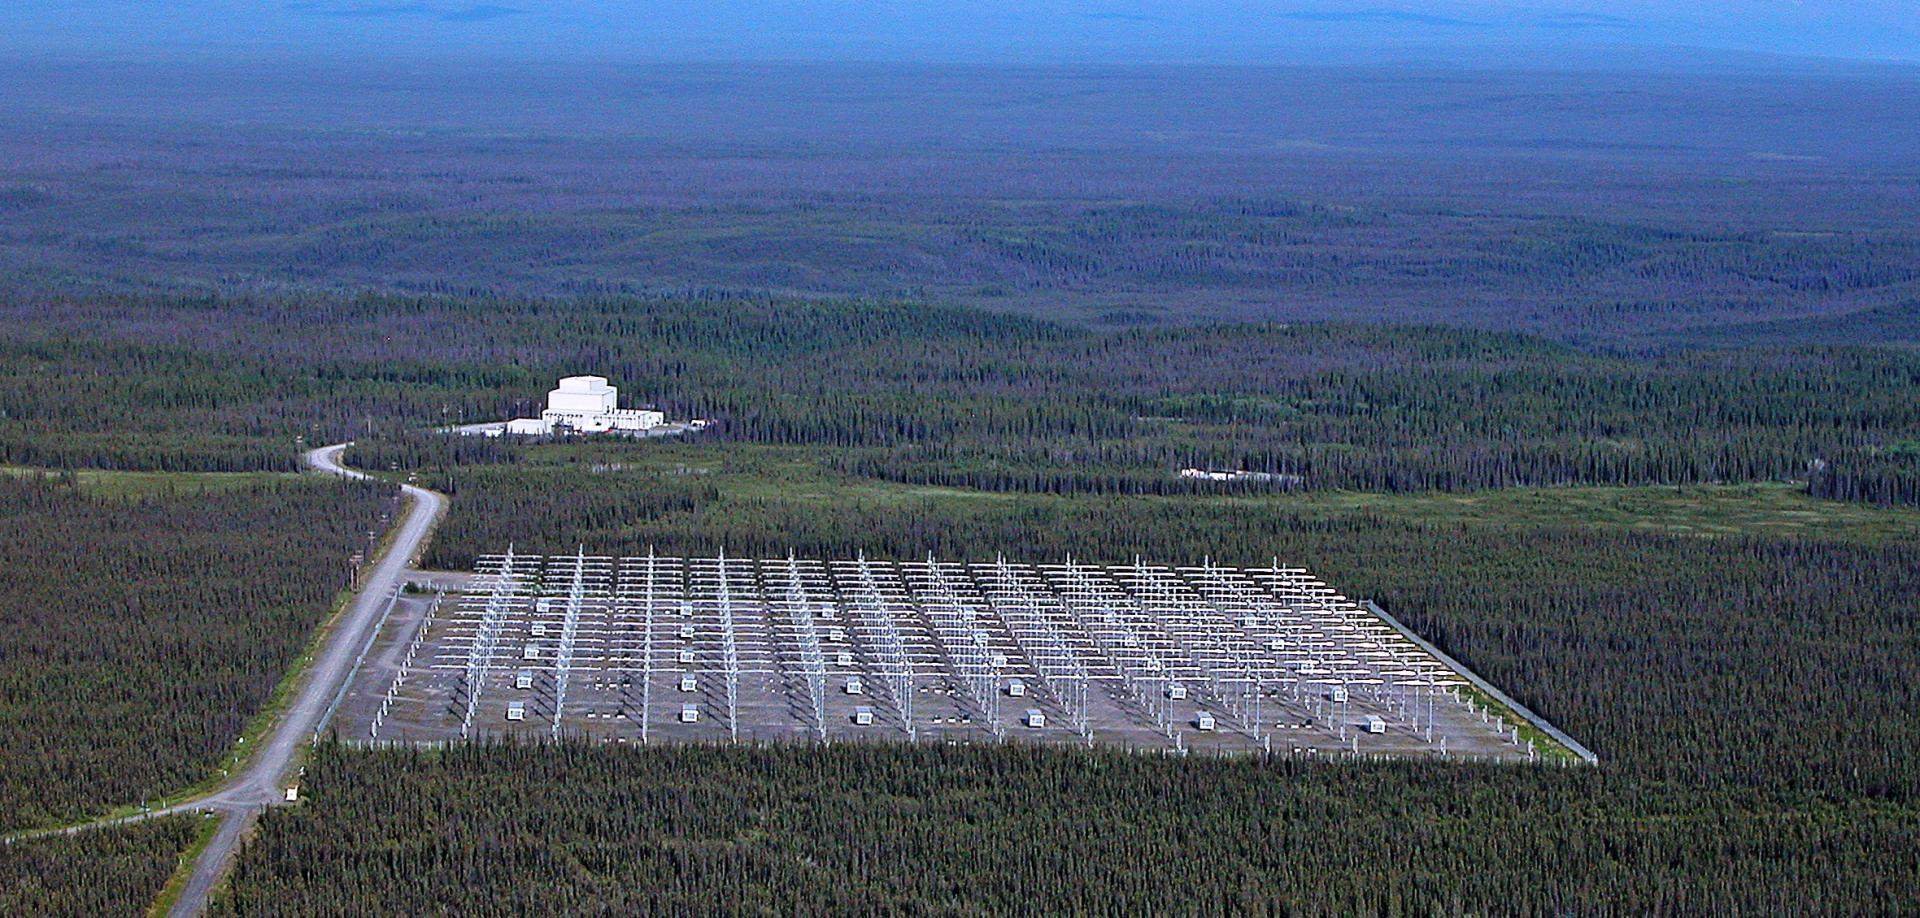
(581, 404)
(659, 649)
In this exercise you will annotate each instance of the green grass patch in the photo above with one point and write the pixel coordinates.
(788, 474)
(1772, 509)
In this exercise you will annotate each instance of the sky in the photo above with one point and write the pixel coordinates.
(1024, 31)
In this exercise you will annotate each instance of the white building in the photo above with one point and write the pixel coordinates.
(588, 405)
(1279, 478)
(585, 404)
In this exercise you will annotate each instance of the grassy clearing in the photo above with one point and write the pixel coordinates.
(795, 474)
(746, 473)
(1773, 509)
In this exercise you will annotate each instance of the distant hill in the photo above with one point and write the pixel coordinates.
(1887, 325)
(1590, 204)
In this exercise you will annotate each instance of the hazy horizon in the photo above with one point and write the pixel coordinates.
(1145, 32)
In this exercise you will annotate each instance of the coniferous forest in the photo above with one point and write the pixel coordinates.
(140, 632)
(961, 398)
(1605, 380)
(1750, 699)
(1756, 685)
(110, 872)
(1749, 688)
(1012, 830)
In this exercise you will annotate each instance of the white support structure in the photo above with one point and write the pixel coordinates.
(1229, 615)
(1034, 616)
(796, 592)
(648, 586)
(939, 647)
(587, 580)
(1362, 653)
(507, 590)
(945, 595)
(879, 607)
(729, 650)
(1110, 618)
(406, 665)
(720, 586)
(1167, 599)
